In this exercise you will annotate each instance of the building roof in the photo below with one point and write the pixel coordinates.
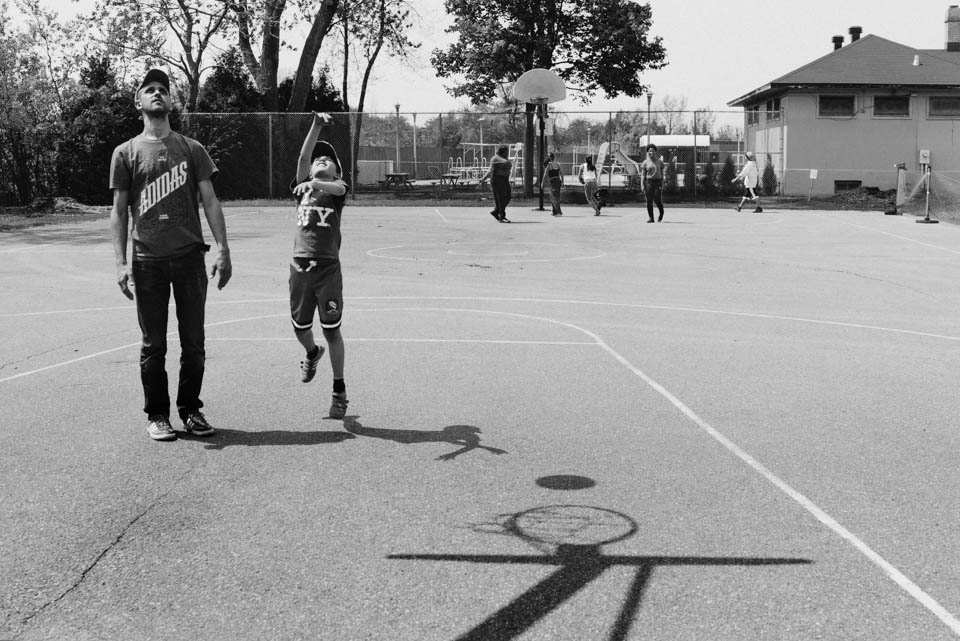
(871, 61)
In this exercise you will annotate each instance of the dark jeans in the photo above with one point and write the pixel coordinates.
(502, 192)
(153, 280)
(653, 191)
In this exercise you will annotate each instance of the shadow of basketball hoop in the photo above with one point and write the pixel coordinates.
(571, 537)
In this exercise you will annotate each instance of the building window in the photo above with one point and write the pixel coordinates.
(837, 106)
(773, 109)
(891, 105)
(845, 185)
(753, 115)
(945, 106)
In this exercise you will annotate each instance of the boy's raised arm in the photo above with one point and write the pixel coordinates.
(306, 151)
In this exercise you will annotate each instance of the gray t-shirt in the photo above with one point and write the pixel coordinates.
(162, 178)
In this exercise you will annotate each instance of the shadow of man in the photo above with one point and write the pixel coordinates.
(467, 436)
(226, 438)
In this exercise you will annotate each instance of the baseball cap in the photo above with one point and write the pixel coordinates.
(155, 75)
(323, 148)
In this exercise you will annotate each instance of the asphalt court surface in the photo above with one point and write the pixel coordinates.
(722, 426)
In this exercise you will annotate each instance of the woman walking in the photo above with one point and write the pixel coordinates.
(499, 175)
(651, 181)
(588, 178)
(553, 180)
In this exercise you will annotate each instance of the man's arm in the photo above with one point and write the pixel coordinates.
(218, 226)
(119, 221)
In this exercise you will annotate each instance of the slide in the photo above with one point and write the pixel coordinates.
(630, 167)
(617, 157)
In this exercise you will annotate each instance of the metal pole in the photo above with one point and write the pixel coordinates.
(540, 110)
(696, 173)
(649, 99)
(415, 165)
(397, 168)
(270, 154)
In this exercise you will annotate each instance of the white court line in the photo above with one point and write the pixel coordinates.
(442, 217)
(892, 572)
(122, 347)
(559, 301)
(886, 233)
(254, 339)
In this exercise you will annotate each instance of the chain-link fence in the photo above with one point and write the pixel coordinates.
(410, 152)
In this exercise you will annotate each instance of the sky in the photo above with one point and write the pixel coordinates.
(717, 50)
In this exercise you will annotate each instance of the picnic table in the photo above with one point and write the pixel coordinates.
(400, 180)
(449, 179)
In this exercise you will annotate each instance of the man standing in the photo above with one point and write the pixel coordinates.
(158, 176)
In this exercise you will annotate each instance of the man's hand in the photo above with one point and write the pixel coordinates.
(223, 267)
(125, 280)
(321, 119)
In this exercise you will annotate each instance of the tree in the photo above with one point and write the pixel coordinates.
(267, 15)
(372, 25)
(140, 28)
(769, 179)
(600, 45)
(30, 108)
(670, 112)
(97, 117)
(727, 173)
(670, 177)
(229, 89)
(704, 120)
(323, 96)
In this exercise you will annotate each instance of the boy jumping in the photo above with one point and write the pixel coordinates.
(315, 279)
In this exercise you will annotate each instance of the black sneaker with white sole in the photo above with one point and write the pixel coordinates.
(196, 423)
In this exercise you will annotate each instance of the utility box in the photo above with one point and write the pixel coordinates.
(924, 158)
(371, 172)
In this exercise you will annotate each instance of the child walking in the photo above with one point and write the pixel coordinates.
(316, 282)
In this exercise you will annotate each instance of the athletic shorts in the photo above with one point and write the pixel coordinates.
(314, 287)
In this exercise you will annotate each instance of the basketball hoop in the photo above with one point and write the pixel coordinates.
(539, 87)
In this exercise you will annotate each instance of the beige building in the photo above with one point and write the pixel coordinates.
(847, 119)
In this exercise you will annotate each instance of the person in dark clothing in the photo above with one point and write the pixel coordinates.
(499, 176)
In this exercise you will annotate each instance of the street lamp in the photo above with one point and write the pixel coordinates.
(649, 99)
(397, 106)
(414, 144)
(480, 120)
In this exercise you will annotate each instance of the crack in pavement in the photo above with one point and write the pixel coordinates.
(93, 564)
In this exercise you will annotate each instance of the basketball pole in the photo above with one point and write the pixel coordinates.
(540, 109)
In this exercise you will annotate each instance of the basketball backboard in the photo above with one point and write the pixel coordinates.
(540, 87)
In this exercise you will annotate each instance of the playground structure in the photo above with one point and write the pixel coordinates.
(472, 164)
(611, 159)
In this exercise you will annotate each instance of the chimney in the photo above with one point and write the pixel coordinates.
(837, 42)
(855, 33)
(953, 28)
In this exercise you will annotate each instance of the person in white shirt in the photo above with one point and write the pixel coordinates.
(588, 178)
(750, 177)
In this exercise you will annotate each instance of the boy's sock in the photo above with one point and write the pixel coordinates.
(339, 387)
(313, 352)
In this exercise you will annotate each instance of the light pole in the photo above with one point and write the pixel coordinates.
(480, 121)
(397, 106)
(649, 100)
(415, 145)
